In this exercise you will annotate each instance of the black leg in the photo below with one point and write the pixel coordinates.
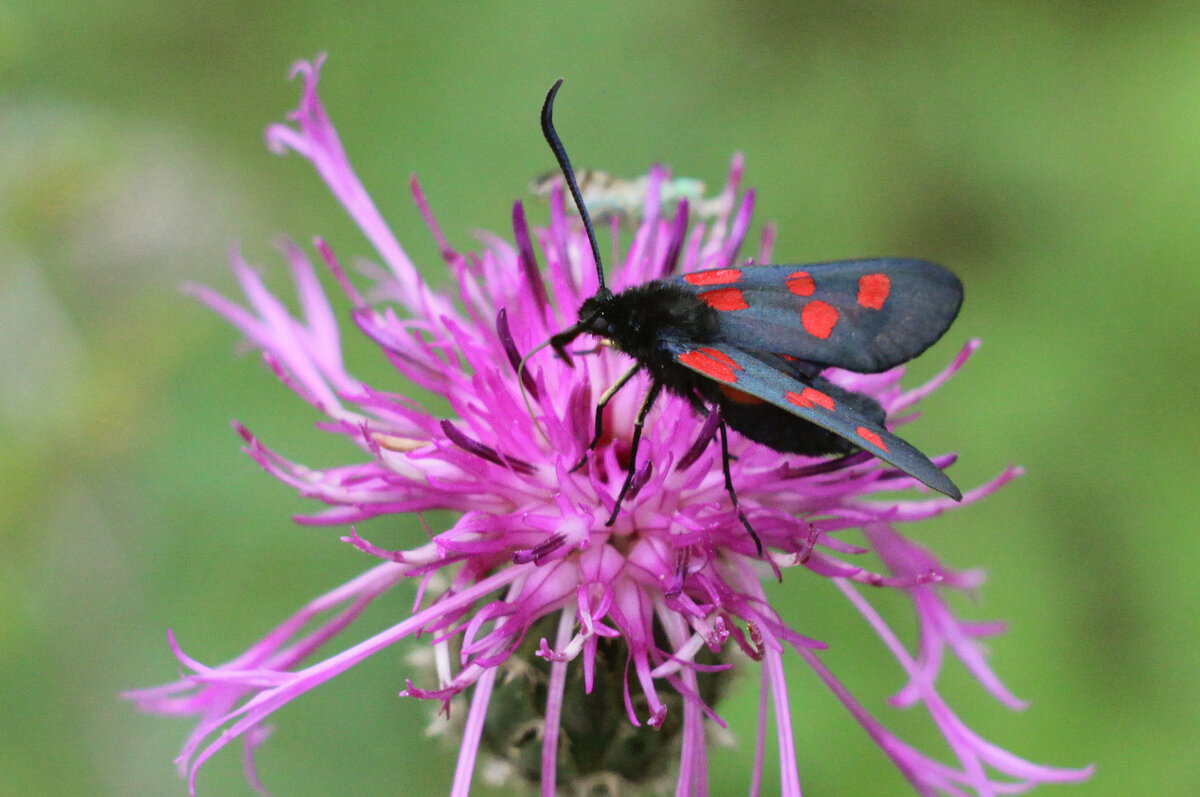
(729, 487)
(600, 405)
(655, 389)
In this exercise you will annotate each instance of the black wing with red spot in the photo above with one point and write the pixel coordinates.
(861, 315)
(729, 365)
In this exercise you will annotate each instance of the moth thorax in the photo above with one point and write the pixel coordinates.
(647, 313)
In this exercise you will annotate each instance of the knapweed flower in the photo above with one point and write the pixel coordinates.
(584, 652)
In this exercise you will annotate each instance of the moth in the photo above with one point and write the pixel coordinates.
(752, 341)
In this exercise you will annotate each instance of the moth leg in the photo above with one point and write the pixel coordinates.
(655, 389)
(599, 347)
(600, 405)
(729, 487)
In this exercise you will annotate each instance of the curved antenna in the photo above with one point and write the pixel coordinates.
(564, 163)
(525, 393)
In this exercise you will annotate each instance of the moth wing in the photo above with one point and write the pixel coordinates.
(861, 315)
(741, 371)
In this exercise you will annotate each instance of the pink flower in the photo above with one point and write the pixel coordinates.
(650, 611)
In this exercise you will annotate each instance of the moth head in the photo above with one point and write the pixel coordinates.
(593, 320)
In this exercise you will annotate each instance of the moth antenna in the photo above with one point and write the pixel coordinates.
(564, 163)
(525, 393)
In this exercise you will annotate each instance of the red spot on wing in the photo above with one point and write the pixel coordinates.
(871, 437)
(725, 299)
(873, 290)
(723, 358)
(801, 283)
(712, 363)
(720, 276)
(819, 318)
(809, 396)
(740, 396)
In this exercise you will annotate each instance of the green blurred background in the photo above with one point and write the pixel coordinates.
(1048, 152)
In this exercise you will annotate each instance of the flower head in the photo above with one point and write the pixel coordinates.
(637, 621)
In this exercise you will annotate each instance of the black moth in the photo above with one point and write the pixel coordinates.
(753, 340)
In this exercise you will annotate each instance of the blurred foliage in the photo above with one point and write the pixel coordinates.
(1049, 152)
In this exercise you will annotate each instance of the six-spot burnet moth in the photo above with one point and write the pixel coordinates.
(753, 340)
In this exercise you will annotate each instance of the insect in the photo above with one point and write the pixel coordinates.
(608, 196)
(752, 341)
